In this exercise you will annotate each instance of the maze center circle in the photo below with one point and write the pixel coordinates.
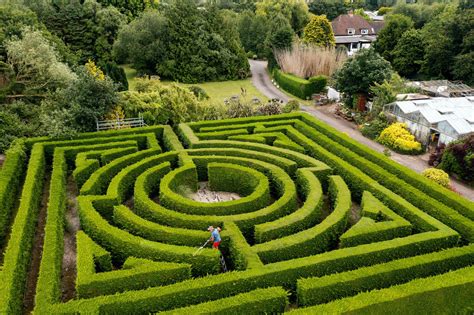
(206, 194)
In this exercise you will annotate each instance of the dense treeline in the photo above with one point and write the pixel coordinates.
(430, 41)
(184, 43)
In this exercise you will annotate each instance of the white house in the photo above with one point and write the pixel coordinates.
(436, 120)
(354, 32)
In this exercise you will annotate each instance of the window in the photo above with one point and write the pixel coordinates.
(364, 31)
(351, 31)
(355, 46)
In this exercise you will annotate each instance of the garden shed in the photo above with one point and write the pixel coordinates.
(435, 120)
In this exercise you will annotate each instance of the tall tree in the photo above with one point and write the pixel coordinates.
(388, 37)
(33, 66)
(280, 36)
(319, 32)
(331, 8)
(296, 11)
(408, 53)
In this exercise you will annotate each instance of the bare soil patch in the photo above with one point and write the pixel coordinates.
(205, 194)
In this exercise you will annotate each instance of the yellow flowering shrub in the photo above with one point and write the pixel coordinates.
(437, 175)
(398, 138)
(93, 69)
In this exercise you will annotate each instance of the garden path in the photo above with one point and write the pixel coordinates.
(262, 81)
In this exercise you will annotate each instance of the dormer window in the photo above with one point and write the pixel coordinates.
(364, 31)
(351, 31)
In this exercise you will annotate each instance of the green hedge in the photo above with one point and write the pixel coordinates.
(135, 274)
(251, 184)
(99, 180)
(299, 87)
(316, 239)
(261, 301)
(307, 216)
(448, 293)
(11, 175)
(88, 162)
(283, 274)
(129, 221)
(419, 183)
(16, 259)
(123, 244)
(369, 230)
(314, 291)
(242, 256)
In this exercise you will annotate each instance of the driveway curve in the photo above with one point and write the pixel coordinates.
(262, 81)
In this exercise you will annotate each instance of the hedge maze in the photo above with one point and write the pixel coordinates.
(324, 224)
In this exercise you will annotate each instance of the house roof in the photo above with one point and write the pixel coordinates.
(354, 39)
(345, 21)
(455, 111)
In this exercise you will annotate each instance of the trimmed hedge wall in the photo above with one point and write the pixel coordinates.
(297, 86)
(135, 274)
(314, 291)
(11, 175)
(308, 215)
(261, 301)
(16, 259)
(448, 293)
(316, 239)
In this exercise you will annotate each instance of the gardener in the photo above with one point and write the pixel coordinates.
(215, 236)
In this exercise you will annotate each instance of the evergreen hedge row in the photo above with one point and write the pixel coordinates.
(308, 215)
(261, 301)
(16, 259)
(422, 185)
(448, 293)
(318, 238)
(11, 175)
(283, 274)
(297, 86)
(136, 273)
(312, 291)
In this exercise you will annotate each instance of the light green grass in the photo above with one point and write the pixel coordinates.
(217, 91)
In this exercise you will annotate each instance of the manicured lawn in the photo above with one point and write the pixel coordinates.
(217, 91)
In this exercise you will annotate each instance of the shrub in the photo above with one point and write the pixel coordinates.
(291, 106)
(319, 83)
(199, 92)
(268, 109)
(458, 158)
(438, 176)
(398, 138)
(373, 128)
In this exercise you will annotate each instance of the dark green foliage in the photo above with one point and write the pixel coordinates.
(184, 43)
(253, 30)
(319, 83)
(117, 74)
(373, 128)
(87, 28)
(280, 36)
(391, 33)
(408, 53)
(458, 158)
(330, 8)
(199, 92)
(131, 8)
(359, 73)
(12, 19)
